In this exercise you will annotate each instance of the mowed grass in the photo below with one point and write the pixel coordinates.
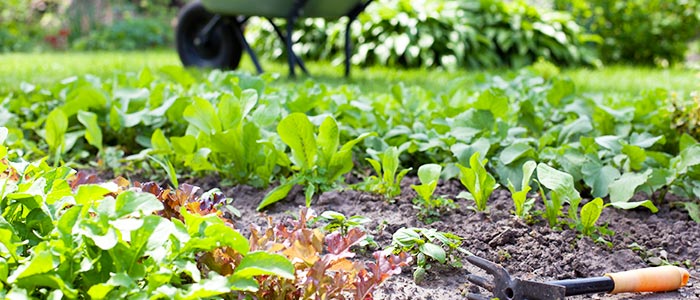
(48, 68)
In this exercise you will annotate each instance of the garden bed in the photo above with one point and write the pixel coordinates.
(529, 251)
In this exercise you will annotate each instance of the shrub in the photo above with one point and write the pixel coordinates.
(128, 34)
(464, 33)
(639, 31)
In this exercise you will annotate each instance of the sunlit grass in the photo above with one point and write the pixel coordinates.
(48, 68)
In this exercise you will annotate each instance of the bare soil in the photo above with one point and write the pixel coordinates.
(528, 250)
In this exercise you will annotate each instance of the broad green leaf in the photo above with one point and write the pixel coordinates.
(105, 239)
(693, 210)
(229, 111)
(3, 149)
(56, 127)
(160, 143)
(328, 141)
(434, 251)
(528, 168)
(689, 157)
(634, 204)
(100, 291)
(406, 237)
(375, 165)
(644, 140)
(426, 190)
(152, 235)
(390, 164)
(623, 189)
(93, 133)
(184, 145)
(590, 212)
(610, 142)
(178, 74)
(341, 162)
(243, 284)
(40, 263)
(298, 133)
(560, 182)
(263, 263)
(229, 237)
(130, 202)
(561, 89)
(4, 271)
(477, 180)
(215, 285)
(636, 156)
(686, 141)
(599, 177)
(277, 194)
(464, 152)
(514, 152)
(429, 173)
(83, 99)
(202, 115)
(494, 100)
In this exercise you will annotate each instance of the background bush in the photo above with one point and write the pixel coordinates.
(36, 25)
(639, 31)
(465, 33)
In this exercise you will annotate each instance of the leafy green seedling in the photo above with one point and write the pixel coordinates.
(422, 243)
(318, 161)
(388, 181)
(590, 212)
(56, 127)
(562, 190)
(430, 207)
(339, 222)
(522, 204)
(478, 181)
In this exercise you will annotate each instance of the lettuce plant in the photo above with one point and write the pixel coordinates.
(387, 182)
(478, 181)
(318, 162)
(520, 200)
(430, 207)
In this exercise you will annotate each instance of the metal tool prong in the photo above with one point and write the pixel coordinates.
(481, 281)
(472, 296)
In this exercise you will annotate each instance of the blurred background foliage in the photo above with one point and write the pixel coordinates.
(400, 33)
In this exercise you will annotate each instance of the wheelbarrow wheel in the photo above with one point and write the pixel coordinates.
(212, 47)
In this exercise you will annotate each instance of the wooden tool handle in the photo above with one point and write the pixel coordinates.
(656, 279)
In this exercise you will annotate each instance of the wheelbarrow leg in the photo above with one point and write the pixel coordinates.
(352, 16)
(241, 38)
(282, 37)
(293, 15)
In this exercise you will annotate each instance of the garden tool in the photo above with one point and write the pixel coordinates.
(503, 287)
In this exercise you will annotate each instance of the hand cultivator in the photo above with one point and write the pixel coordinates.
(209, 33)
(503, 287)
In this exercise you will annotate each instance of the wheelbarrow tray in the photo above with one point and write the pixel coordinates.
(329, 9)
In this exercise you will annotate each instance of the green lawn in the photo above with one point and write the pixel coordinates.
(47, 68)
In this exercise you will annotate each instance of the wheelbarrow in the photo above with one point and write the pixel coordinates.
(210, 33)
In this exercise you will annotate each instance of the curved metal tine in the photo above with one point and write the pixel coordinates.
(472, 296)
(481, 281)
(494, 269)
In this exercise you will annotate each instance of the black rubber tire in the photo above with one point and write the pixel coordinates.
(222, 51)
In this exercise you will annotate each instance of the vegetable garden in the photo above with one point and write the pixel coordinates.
(124, 175)
(148, 183)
